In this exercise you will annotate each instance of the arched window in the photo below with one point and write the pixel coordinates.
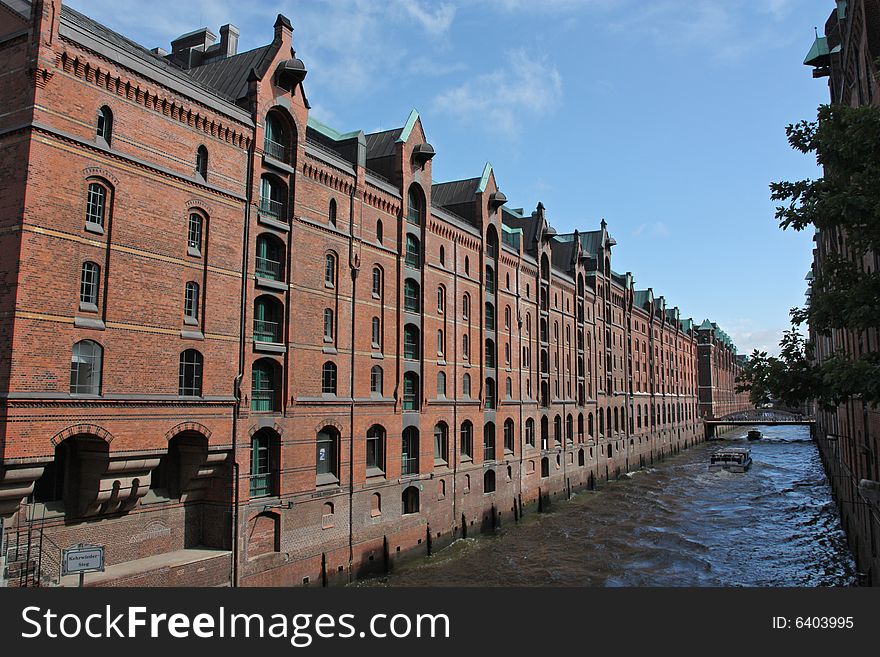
(190, 374)
(507, 317)
(466, 307)
(466, 346)
(409, 501)
(466, 442)
(489, 441)
(557, 429)
(330, 270)
(379, 232)
(441, 343)
(327, 455)
(268, 314)
(509, 436)
(263, 447)
(508, 388)
(273, 195)
(331, 213)
(410, 451)
(489, 481)
(85, 368)
(96, 206)
(490, 279)
(270, 257)
(202, 162)
(441, 443)
(490, 399)
(377, 282)
(104, 127)
(491, 243)
(274, 139)
(441, 299)
(414, 206)
(411, 343)
(441, 384)
(328, 325)
(489, 316)
(375, 450)
(376, 333)
(89, 282)
(569, 428)
(376, 380)
(490, 354)
(530, 432)
(442, 256)
(328, 378)
(411, 391)
(467, 265)
(413, 252)
(411, 297)
(265, 376)
(466, 386)
(545, 432)
(191, 301)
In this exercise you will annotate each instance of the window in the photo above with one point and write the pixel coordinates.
(441, 435)
(96, 206)
(466, 346)
(85, 368)
(413, 252)
(264, 376)
(530, 432)
(411, 342)
(466, 443)
(379, 235)
(467, 265)
(88, 284)
(377, 282)
(442, 256)
(441, 300)
(194, 232)
(191, 300)
(410, 451)
(376, 380)
(376, 333)
(489, 481)
(411, 299)
(441, 343)
(330, 270)
(190, 374)
(490, 355)
(509, 388)
(328, 325)
(104, 128)
(507, 317)
(490, 279)
(490, 394)
(328, 379)
(441, 384)
(274, 139)
(270, 257)
(466, 385)
(466, 307)
(490, 317)
(261, 469)
(489, 441)
(410, 391)
(376, 449)
(202, 162)
(326, 453)
(331, 213)
(509, 436)
(272, 198)
(268, 312)
(414, 207)
(409, 501)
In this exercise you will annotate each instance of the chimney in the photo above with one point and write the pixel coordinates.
(229, 40)
(188, 50)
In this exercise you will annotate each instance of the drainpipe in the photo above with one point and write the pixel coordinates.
(354, 263)
(242, 328)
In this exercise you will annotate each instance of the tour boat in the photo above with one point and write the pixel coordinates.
(733, 459)
(754, 434)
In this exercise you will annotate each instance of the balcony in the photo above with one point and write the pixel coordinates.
(266, 331)
(272, 209)
(275, 150)
(270, 269)
(263, 401)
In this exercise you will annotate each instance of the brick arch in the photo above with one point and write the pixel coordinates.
(329, 423)
(98, 172)
(198, 204)
(188, 426)
(82, 429)
(275, 427)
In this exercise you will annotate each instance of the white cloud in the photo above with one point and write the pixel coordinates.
(525, 85)
(436, 21)
(748, 337)
(651, 229)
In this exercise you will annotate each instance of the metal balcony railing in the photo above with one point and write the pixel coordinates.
(271, 208)
(409, 465)
(275, 150)
(262, 400)
(268, 268)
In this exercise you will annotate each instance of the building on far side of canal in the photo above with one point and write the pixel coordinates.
(849, 436)
(243, 347)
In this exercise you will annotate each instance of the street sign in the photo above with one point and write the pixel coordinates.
(82, 559)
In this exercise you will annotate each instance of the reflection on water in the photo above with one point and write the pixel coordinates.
(676, 524)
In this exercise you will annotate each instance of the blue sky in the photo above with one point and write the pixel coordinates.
(665, 117)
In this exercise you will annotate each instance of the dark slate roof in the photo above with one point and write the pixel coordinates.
(591, 241)
(381, 144)
(21, 7)
(641, 298)
(228, 76)
(107, 35)
(528, 226)
(562, 252)
(454, 193)
(620, 279)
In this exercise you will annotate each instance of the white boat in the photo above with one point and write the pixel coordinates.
(733, 459)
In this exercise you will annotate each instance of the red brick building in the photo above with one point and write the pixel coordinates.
(241, 347)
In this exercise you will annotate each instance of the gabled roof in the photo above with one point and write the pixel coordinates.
(229, 76)
(382, 144)
(643, 298)
(455, 192)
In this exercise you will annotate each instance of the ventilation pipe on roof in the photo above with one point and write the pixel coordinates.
(229, 40)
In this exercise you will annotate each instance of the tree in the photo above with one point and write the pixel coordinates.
(843, 204)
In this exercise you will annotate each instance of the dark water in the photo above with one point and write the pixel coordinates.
(673, 525)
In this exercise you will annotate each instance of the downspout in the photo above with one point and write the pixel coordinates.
(236, 469)
(354, 263)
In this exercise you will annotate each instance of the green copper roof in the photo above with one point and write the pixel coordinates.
(817, 53)
(705, 326)
(331, 133)
(410, 124)
(484, 179)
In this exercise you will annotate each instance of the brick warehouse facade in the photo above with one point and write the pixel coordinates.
(849, 435)
(241, 347)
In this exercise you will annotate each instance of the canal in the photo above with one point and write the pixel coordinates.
(675, 524)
